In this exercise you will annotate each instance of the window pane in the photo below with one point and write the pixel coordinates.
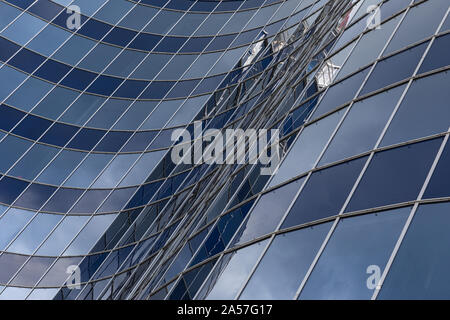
(238, 266)
(423, 112)
(307, 148)
(362, 126)
(357, 244)
(369, 47)
(285, 264)
(340, 93)
(439, 185)
(267, 213)
(325, 193)
(395, 175)
(420, 268)
(429, 14)
(394, 69)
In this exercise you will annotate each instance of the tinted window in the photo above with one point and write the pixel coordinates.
(395, 175)
(420, 268)
(324, 193)
(363, 125)
(357, 246)
(285, 264)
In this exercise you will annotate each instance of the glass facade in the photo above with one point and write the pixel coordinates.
(92, 205)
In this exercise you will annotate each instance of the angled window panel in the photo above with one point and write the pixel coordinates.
(32, 127)
(48, 40)
(423, 112)
(116, 170)
(89, 235)
(83, 176)
(362, 126)
(11, 223)
(94, 29)
(59, 134)
(78, 79)
(26, 60)
(438, 56)
(419, 270)
(213, 24)
(56, 276)
(62, 235)
(141, 170)
(162, 22)
(99, 57)
(369, 47)
(125, 63)
(392, 7)
(113, 141)
(7, 14)
(138, 17)
(307, 148)
(35, 232)
(267, 213)
(289, 257)
(430, 13)
(29, 94)
(131, 89)
(7, 49)
(74, 50)
(108, 114)
(439, 185)
(86, 139)
(325, 193)
(139, 141)
(35, 196)
(445, 25)
(10, 264)
(340, 93)
(105, 85)
(187, 24)
(32, 271)
(58, 170)
(117, 200)
(82, 109)
(235, 267)
(356, 246)
(393, 69)
(24, 28)
(31, 164)
(395, 175)
(10, 189)
(90, 201)
(151, 66)
(55, 102)
(162, 114)
(10, 117)
(14, 77)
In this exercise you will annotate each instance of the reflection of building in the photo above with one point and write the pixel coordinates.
(357, 208)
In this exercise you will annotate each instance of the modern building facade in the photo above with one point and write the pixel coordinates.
(92, 205)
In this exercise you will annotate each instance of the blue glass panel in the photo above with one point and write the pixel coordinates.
(288, 257)
(420, 268)
(10, 188)
(35, 196)
(395, 175)
(324, 193)
(357, 245)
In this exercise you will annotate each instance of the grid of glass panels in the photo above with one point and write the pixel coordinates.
(87, 116)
